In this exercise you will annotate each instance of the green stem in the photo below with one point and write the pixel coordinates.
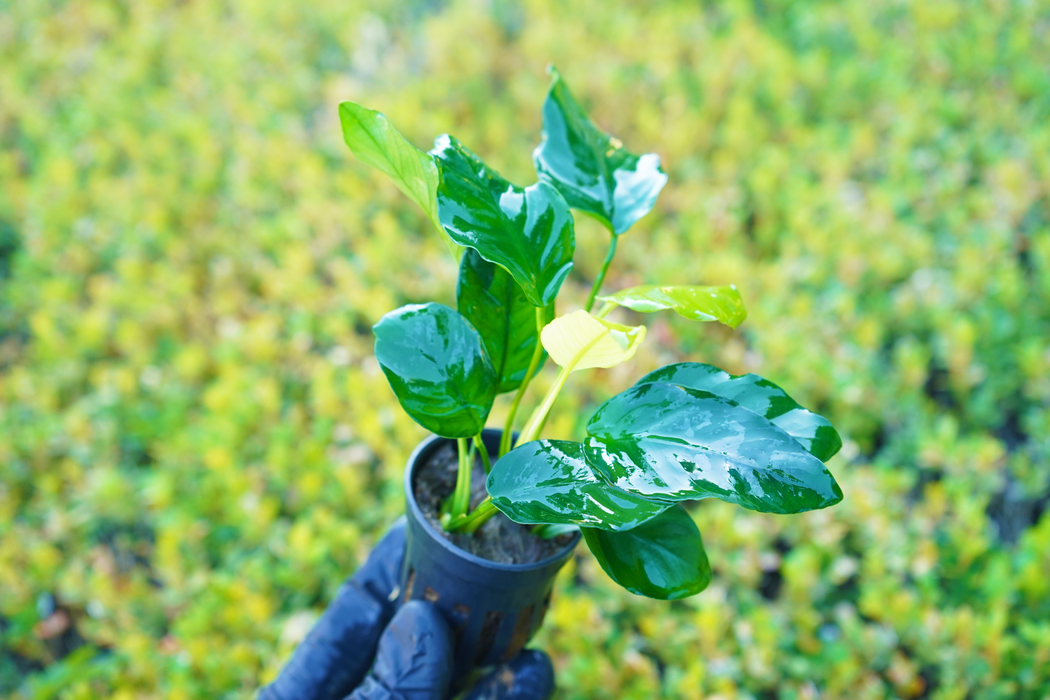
(548, 531)
(537, 353)
(601, 273)
(469, 524)
(539, 418)
(461, 494)
(606, 308)
(530, 431)
(542, 423)
(483, 451)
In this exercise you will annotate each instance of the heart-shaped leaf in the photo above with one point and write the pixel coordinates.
(548, 481)
(759, 395)
(374, 141)
(495, 305)
(438, 368)
(529, 231)
(580, 341)
(662, 558)
(671, 442)
(592, 170)
(721, 304)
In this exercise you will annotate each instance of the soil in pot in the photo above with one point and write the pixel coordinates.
(500, 539)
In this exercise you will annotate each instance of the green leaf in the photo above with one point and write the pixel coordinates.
(438, 368)
(674, 443)
(529, 232)
(721, 304)
(374, 141)
(549, 481)
(759, 395)
(662, 558)
(493, 302)
(579, 340)
(592, 170)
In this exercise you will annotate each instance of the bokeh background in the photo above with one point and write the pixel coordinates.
(196, 445)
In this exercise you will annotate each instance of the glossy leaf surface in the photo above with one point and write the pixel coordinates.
(671, 442)
(581, 341)
(527, 231)
(662, 558)
(592, 170)
(494, 304)
(721, 304)
(374, 141)
(762, 396)
(549, 481)
(438, 368)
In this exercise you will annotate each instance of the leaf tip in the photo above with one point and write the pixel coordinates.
(833, 440)
(836, 490)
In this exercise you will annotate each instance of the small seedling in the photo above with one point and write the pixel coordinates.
(684, 432)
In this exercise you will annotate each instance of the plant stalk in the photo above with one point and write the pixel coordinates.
(550, 530)
(530, 431)
(469, 524)
(539, 418)
(537, 353)
(483, 451)
(461, 494)
(604, 311)
(601, 273)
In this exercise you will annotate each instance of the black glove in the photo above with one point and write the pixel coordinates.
(412, 652)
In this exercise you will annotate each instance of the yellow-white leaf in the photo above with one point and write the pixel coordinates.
(581, 341)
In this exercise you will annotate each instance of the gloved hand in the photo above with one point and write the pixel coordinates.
(361, 649)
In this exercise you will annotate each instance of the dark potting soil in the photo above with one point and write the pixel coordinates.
(500, 539)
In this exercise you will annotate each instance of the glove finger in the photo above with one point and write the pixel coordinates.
(336, 655)
(414, 661)
(528, 676)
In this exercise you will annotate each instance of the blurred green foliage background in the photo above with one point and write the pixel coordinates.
(196, 445)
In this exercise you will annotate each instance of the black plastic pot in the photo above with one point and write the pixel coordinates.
(493, 609)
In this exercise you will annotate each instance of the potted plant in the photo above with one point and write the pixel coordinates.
(684, 432)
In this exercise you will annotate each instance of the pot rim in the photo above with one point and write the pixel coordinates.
(417, 514)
